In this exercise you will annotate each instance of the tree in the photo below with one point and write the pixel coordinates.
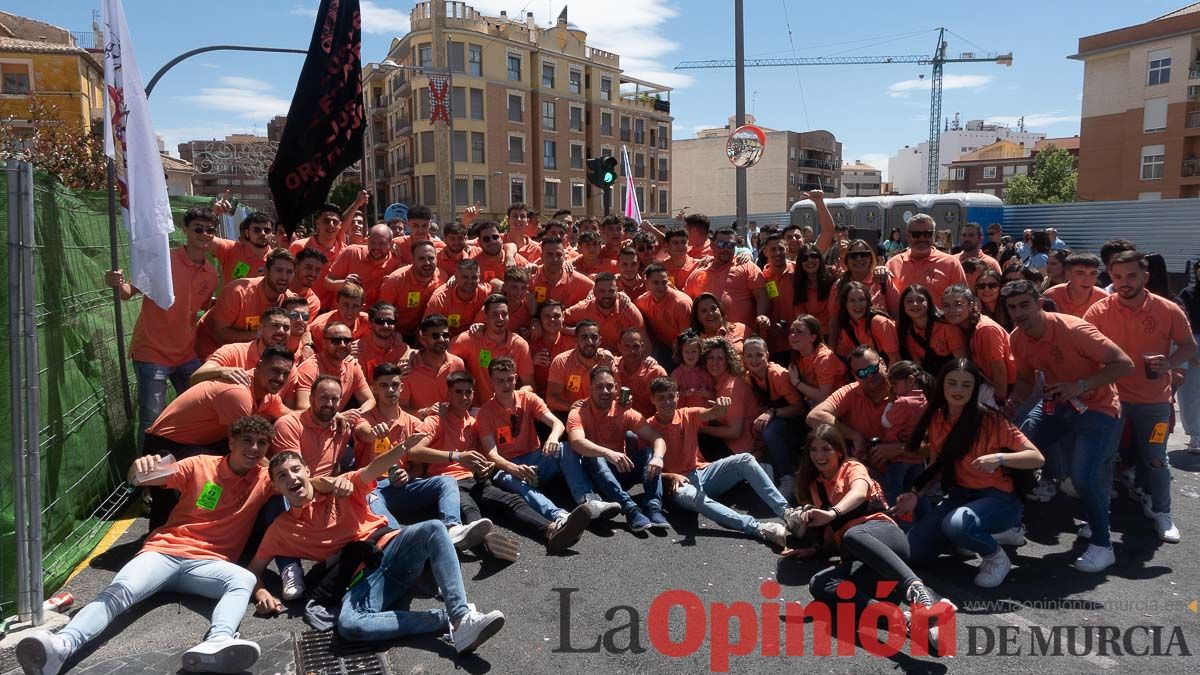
(1052, 180)
(56, 146)
(344, 193)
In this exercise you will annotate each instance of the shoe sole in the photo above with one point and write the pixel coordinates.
(660, 526)
(642, 528)
(31, 655)
(231, 659)
(293, 596)
(473, 535)
(501, 546)
(572, 529)
(607, 512)
(484, 635)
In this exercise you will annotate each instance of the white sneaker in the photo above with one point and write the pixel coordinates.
(292, 577)
(1095, 559)
(793, 523)
(1085, 531)
(221, 654)
(1044, 492)
(1166, 528)
(773, 533)
(42, 653)
(993, 570)
(466, 537)
(787, 487)
(1068, 489)
(601, 510)
(1012, 537)
(474, 629)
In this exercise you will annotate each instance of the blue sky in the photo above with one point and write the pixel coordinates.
(873, 110)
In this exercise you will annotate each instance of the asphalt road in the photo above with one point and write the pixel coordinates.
(1150, 586)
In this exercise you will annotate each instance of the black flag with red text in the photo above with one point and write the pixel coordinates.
(324, 130)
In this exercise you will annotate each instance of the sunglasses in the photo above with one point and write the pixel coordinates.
(298, 316)
(920, 234)
(384, 322)
(340, 340)
(494, 237)
(864, 373)
(205, 230)
(987, 287)
(728, 245)
(440, 336)
(857, 255)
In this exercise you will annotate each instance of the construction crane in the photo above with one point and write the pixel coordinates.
(938, 60)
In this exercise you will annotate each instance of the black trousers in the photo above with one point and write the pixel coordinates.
(474, 494)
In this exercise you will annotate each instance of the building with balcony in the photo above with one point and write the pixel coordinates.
(860, 180)
(989, 168)
(1140, 127)
(909, 167)
(528, 106)
(792, 163)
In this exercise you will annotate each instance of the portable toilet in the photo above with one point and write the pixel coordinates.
(867, 217)
(804, 214)
(840, 210)
(904, 207)
(952, 210)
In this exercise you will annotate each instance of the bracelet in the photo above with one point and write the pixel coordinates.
(836, 513)
(1001, 458)
(454, 456)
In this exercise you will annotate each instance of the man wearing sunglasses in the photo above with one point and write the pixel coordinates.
(923, 264)
(333, 359)
(425, 385)
(364, 264)
(382, 344)
(245, 257)
(493, 255)
(741, 288)
(348, 311)
(234, 316)
(856, 409)
(163, 347)
(230, 362)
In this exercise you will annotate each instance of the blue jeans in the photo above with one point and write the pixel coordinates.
(707, 484)
(966, 519)
(1089, 442)
(372, 610)
(152, 381)
(612, 485)
(1144, 420)
(547, 469)
(150, 572)
(415, 495)
(1189, 400)
(782, 435)
(898, 477)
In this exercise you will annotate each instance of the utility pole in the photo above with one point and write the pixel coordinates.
(739, 55)
(442, 141)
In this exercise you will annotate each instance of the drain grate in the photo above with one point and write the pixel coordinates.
(328, 654)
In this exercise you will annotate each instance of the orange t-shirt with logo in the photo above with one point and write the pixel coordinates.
(1064, 305)
(638, 381)
(477, 352)
(606, 428)
(1149, 329)
(410, 295)
(203, 413)
(680, 435)
(734, 285)
(937, 272)
(665, 318)
(370, 354)
(238, 259)
(995, 434)
(458, 312)
(402, 427)
(513, 429)
(167, 337)
(239, 304)
(623, 315)
(569, 289)
(216, 511)
(1070, 349)
(851, 406)
(356, 259)
(574, 375)
(780, 288)
(319, 443)
(424, 386)
(492, 267)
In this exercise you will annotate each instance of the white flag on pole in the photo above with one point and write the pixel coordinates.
(631, 202)
(141, 184)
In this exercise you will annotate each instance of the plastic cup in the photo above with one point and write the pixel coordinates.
(165, 467)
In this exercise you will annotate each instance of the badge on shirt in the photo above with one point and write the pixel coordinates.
(539, 293)
(454, 320)
(209, 496)
(772, 290)
(252, 323)
(573, 383)
(240, 270)
(503, 435)
(485, 357)
(414, 299)
(382, 445)
(1159, 434)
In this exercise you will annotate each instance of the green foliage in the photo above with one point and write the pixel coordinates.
(58, 147)
(1053, 180)
(344, 193)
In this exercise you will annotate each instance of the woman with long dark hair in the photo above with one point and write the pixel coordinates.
(779, 419)
(708, 320)
(1041, 251)
(848, 515)
(1056, 268)
(815, 370)
(860, 264)
(972, 449)
(812, 284)
(732, 433)
(893, 245)
(987, 341)
(858, 323)
(925, 337)
(987, 290)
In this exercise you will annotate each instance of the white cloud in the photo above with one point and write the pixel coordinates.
(173, 136)
(1035, 120)
(243, 98)
(376, 18)
(905, 87)
(243, 83)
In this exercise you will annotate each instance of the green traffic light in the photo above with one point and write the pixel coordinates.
(609, 177)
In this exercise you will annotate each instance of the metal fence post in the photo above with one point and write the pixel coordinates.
(16, 366)
(33, 399)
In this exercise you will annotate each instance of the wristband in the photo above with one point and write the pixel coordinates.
(454, 456)
(1001, 458)
(836, 513)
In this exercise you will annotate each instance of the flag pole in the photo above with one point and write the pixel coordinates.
(114, 259)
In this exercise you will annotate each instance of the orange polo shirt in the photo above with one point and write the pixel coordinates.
(852, 407)
(744, 404)
(574, 376)
(370, 354)
(244, 355)
(492, 267)
(167, 337)
(605, 428)
(638, 381)
(204, 529)
(403, 248)
(780, 287)
(600, 266)
(410, 295)
(348, 371)
(733, 331)
(319, 443)
(849, 472)
(519, 318)
(447, 261)
(239, 304)
(623, 315)
(478, 351)
(1064, 305)
(881, 336)
(990, 344)
(679, 274)
(424, 386)
(541, 374)
(937, 272)
(1070, 349)
(356, 259)
(821, 367)
(331, 253)
(632, 289)
(776, 386)
(512, 428)
(238, 259)
(665, 318)
(1149, 329)
(451, 433)
(458, 312)
(203, 413)
(701, 251)
(995, 434)
(316, 328)
(401, 428)
(680, 435)
(734, 285)
(987, 259)
(569, 289)
(944, 339)
(323, 526)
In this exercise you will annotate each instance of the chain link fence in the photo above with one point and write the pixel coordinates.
(79, 424)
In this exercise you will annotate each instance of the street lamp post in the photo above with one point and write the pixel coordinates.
(214, 48)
